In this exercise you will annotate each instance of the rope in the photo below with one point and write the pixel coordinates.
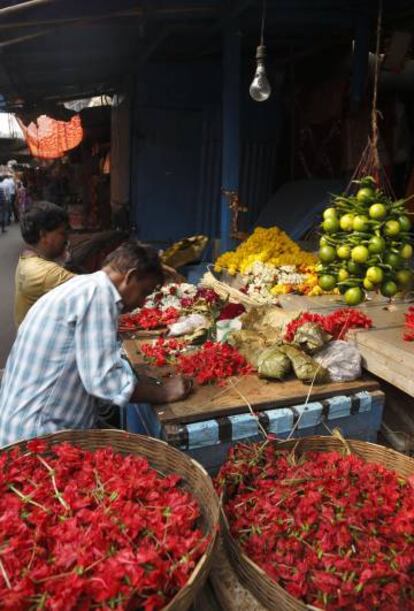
(374, 111)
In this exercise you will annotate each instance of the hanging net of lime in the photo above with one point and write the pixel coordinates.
(366, 244)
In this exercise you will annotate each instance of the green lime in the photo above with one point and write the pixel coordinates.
(404, 222)
(365, 195)
(327, 282)
(392, 259)
(330, 225)
(406, 251)
(327, 254)
(404, 277)
(329, 213)
(343, 252)
(392, 228)
(354, 296)
(375, 275)
(361, 223)
(346, 222)
(376, 245)
(323, 241)
(368, 285)
(378, 212)
(360, 254)
(343, 275)
(389, 288)
(354, 268)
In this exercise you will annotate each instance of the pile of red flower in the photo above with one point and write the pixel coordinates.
(334, 531)
(163, 351)
(409, 325)
(148, 318)
(213, 362)
(92, 530)
(203, 295)
(336, 323)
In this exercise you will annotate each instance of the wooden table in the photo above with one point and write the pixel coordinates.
(214, 402)
(383, 349)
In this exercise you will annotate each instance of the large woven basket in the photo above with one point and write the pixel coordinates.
(167, 460)
(267, 591)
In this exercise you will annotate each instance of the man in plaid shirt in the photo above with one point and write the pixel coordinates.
(67, 358)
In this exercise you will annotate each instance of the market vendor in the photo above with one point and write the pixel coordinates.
(45, 231)
(66, 357)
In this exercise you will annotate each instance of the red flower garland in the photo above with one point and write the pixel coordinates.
(409, 325)
(334, 531)
(336, 323)
(148, 318)
(163, 351)
(83, 530)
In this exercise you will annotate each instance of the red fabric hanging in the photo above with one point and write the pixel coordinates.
(50, 139)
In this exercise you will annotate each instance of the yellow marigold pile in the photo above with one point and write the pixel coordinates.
(272, 246)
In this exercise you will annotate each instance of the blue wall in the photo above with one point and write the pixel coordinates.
(176, 150)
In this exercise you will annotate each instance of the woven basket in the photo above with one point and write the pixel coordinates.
(267, 591)
(167, 460)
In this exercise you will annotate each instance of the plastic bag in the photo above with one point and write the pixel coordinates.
(341, 359)
(188, 324)
(272, 363)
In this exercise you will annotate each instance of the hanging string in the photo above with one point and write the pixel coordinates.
(263, 23)
(374, 112)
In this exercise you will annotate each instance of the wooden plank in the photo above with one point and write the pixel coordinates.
(213, 402)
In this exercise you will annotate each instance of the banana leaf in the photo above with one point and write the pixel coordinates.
(311, 337)
(305, 368)
(272, 363)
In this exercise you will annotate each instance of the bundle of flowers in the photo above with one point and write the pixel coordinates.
(337, 323)
(181, 296)
(162, 351)
(332, 530)
(213, 362)
(272, 246)
(409, 325)
(92, 530)
(148, 318)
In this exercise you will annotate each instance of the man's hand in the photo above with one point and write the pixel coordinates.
(177, 388)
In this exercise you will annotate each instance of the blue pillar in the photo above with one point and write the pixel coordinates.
(360, 59)
(230, 169)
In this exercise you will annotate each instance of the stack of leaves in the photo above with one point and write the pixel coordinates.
(334, 531)
(92, 530)
(337, 323)
(409, 325)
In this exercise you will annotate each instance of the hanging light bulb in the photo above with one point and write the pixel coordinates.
(260, 88)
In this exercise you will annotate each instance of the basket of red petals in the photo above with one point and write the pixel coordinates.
(103, 519)
(320, 523)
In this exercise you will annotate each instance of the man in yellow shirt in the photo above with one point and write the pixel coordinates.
(45, 230)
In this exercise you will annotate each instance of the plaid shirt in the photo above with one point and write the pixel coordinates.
(66, 357)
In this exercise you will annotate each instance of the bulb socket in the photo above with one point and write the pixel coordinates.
(261, 52)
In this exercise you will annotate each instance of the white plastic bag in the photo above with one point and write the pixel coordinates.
(342, 360)
(188, 324)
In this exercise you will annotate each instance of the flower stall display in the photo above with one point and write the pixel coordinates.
(84, 530)
(366, 244)
(334, 531)
(269, 264)
(409, 325)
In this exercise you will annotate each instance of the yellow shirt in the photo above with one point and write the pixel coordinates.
(35, 277)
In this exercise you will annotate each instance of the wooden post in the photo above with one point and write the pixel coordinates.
(230, 128)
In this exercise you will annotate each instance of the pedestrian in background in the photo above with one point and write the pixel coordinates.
(3, 208)
(10, 189)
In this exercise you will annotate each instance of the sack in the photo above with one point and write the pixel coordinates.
(342, 360)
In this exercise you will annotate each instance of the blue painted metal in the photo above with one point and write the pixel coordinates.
(231, 129)
(360, 58)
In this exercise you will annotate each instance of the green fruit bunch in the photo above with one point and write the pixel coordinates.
(366, 244)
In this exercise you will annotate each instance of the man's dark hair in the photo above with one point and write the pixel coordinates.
(134, 255)
(42, 216)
